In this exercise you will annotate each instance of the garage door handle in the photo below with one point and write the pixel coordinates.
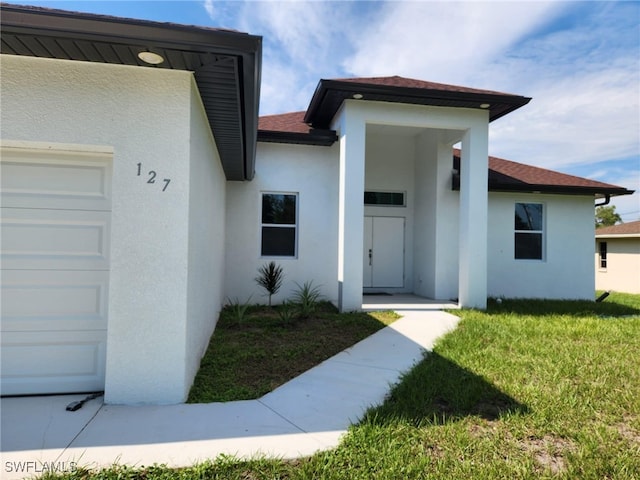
(370, 256)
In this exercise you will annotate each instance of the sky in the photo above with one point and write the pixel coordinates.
(580, 61)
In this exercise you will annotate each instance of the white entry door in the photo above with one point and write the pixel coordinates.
(56, 214)
(383, 262)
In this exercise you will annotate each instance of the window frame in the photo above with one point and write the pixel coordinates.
(540, 232)
(294, 226)
(602, 255)
(403, 193)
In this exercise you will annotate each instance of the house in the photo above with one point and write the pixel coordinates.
(139, 192)
(618, 258)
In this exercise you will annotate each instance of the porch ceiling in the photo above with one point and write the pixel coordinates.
(226, 64)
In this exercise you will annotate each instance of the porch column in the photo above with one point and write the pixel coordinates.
(351, 211)
(474, 167)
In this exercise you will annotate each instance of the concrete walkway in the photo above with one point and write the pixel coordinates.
(307, 414)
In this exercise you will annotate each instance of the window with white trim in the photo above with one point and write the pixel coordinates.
(529, 231)
(603, 255)
(386, 199)
(279, 225)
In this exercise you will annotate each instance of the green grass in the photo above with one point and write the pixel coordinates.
(249, 355)
(525, 390)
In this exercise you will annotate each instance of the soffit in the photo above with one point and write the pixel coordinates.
(330, 94)
(226, 64)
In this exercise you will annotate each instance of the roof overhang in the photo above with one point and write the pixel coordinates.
(598, 192)
(623, 235)
(226, 64)
(316, 137)
(330, 94)
(537, 180)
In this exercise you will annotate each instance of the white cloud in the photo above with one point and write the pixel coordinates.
(208, 6)
(574, 120)
(578, 60)
(302, 42)
(443, 42)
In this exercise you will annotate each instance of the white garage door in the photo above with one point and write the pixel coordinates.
(56, 209)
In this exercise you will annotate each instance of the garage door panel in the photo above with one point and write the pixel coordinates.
(55, 235)
(35, 300)
(54, 239)
(49, 179)
(55, 364)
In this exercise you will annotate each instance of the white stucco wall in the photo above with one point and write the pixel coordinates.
(145, 114)
(623, 265)
(566, 271)
(207, 202)
(436, 217)
(312, 173)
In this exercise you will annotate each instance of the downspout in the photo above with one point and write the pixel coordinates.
(607, 199)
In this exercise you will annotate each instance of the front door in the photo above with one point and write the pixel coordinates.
(383, 261)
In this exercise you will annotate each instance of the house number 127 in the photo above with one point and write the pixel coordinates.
(152, 177)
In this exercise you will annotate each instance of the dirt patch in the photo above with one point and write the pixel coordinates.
(548, 452)
(434, 451)
(628, 432)
(483, 429)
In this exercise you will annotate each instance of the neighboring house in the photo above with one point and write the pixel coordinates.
(139, 193)
(618, 258)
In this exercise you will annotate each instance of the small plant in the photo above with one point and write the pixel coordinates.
(286, 312)
(270, 278)
(307, 297)
(239, 310)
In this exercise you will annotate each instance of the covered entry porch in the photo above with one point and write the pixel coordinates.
(421, 237)
(400, 302)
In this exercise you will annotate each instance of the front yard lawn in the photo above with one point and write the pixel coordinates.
(249, 357)
(525, 390)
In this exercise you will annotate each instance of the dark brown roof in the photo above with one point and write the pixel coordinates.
(504, 175)
(510, 176)
(226, 64)
(624, 229)
(284, 122)
(330, 94)
(404, 82)
(290, 128)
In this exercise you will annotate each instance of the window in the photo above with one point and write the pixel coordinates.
(386, 199)
(528, 231)
(603, 254)
(279, 224)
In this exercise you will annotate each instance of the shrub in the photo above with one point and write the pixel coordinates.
(307, 297)
(286, 312)
(270, 278)
(239, 310)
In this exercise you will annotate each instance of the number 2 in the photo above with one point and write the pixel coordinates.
(152, 177)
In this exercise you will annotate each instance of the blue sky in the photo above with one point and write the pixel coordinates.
(580, 61)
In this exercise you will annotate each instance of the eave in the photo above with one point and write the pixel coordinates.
(320, 138)
(508, 176)
(598, 192)
(613, 235)
(226, 65)
(330, 94)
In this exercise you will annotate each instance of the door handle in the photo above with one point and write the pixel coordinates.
(370, 256)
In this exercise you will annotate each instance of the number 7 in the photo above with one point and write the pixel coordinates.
(166, 183)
